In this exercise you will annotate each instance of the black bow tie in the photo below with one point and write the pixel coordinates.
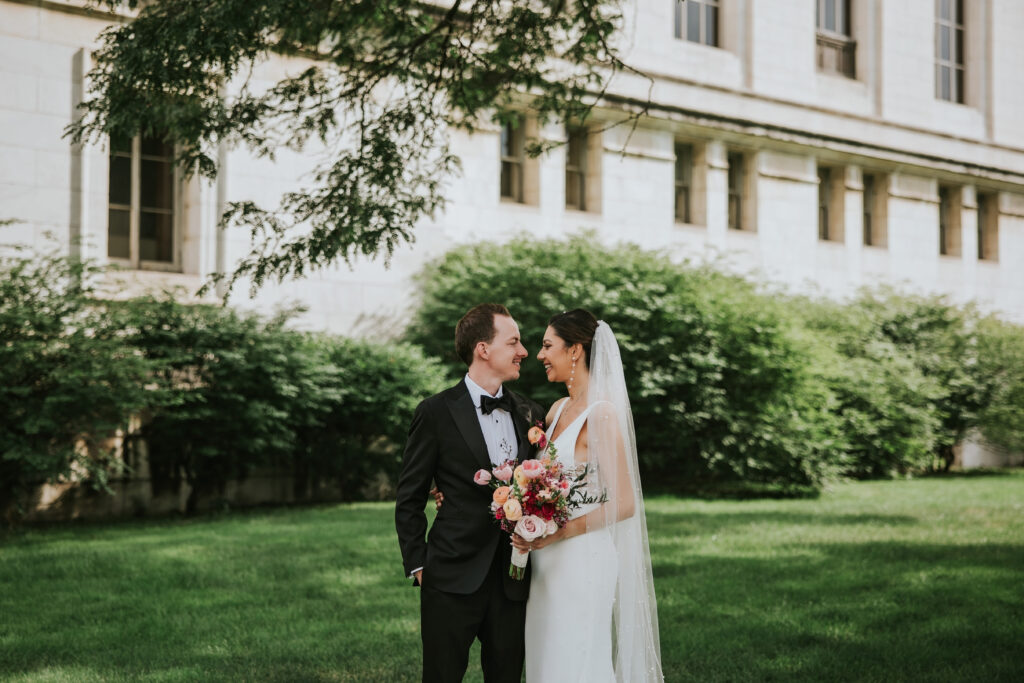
(489, 403)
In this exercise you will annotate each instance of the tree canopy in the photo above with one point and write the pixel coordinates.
(380, 86)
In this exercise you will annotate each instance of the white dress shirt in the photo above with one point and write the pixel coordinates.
(499, 431)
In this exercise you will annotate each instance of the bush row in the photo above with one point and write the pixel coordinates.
(219, 392)
(735, 386)
(732, 387)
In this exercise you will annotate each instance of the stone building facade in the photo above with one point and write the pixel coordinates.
(824, 144)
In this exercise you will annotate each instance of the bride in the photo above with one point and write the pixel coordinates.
(591, 615)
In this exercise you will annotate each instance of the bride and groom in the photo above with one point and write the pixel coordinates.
(585, 610)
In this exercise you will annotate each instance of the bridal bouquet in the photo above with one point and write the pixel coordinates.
(532, 499)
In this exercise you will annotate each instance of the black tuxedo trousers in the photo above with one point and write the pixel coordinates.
(466, 590)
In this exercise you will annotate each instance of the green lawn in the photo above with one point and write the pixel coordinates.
(886, 581)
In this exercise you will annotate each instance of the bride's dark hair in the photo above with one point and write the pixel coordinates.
(576, 327)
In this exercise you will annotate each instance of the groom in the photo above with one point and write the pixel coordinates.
(462, 566)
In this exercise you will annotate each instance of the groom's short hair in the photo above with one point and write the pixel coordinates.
(476, 326)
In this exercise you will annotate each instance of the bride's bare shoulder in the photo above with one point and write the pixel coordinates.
(554, 409)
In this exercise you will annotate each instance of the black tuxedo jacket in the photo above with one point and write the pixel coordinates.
(446, 445)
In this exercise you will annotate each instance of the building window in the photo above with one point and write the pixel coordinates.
(684, 182)
(737, 180)
(824, 202)
(875, 195)
(576, 170)
(949, 221)
(697, 21)
(140, 218)
(513, 154)
(836, 48)
(988, 227)
(949, 50)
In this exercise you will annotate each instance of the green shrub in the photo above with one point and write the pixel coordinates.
(1001, 362)
(230, 383)
(68, 380)
(242, 392)
(885, 403)
(356, 438)
(715, 371)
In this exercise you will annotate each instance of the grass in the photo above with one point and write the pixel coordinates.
(882, 581)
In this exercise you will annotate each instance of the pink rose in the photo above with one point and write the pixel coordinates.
(551, 527)
(532, 468)
(564, 486)
(482, 477)
(503, 473)
(513, 510)
(531, 527)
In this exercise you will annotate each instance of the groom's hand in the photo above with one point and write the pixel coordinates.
(438, 498)
(419, 577)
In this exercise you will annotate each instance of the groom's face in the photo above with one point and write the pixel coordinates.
(506, 352)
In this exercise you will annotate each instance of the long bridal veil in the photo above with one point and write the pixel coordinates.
(636, 652)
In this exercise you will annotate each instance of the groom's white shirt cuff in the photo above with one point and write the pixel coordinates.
(412, 574)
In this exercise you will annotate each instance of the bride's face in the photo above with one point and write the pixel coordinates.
(556, 356)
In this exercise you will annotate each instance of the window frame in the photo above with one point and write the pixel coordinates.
(135, 209)
(949, 222)
(988, 227)
(736, 181)
(681, 24)
(515, 132)
(824, 203)
(955, 63)
(836, 50)
(684, 166)
(576, 168)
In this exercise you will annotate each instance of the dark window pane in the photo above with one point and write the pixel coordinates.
(944, 47)
(156, 237)
(693, 21)
(121, 143)
(960, 86)
(156, 185)
(120, 191)
(960, 46)
(959, 17)
(156, 147)
(711, 38)
(118, 233)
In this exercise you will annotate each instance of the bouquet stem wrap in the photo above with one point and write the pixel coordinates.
(517, 568)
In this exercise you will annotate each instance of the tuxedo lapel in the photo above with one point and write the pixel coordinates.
(464, 414)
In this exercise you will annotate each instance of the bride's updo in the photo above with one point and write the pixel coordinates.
(576, 327)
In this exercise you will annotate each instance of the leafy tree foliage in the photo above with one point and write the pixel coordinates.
(377, 84)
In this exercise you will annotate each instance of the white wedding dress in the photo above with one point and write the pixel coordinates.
(572, 591)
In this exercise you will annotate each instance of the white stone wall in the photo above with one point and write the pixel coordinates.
(759, 94)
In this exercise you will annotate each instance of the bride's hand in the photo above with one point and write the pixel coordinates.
(438, 498)
(521, 543)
